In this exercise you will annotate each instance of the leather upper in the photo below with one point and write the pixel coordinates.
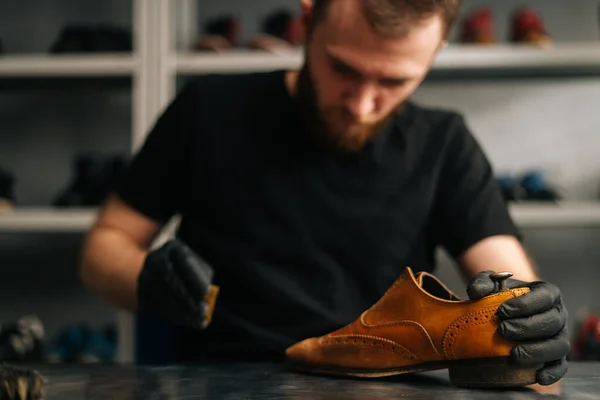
(417, 320)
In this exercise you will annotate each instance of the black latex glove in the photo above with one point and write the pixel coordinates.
(536, 319)
(173, 284)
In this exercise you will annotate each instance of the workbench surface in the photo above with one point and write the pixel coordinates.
(273, 381)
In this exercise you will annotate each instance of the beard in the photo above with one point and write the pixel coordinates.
(320, 123)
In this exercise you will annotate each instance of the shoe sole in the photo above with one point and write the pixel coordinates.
(496, 372)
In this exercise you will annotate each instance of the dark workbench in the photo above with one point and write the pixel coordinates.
(272, 381)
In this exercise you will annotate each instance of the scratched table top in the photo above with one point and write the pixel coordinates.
(274, 381)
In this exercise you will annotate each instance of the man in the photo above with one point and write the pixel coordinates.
(308, 192)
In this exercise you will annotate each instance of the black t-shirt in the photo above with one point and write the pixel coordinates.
(304, 239)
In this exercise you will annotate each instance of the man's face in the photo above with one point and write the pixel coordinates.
(354, 79)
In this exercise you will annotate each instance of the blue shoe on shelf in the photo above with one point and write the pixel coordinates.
(98, 346)
(536, 188)
(67, 345)
(510, 187)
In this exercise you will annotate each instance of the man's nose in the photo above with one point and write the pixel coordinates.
(362, 101)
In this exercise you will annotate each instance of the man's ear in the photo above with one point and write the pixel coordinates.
(306, 11)
(306, 8)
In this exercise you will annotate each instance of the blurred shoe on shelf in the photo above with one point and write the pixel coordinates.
(220, 33)
(478, 27)
(66, 345)
(280, 30)
(7, 197)
(92, 39)
(511, 190)
(537, 188)
(529, 186)
(81, 344)
(586, 344)
(528, 28)
(22, 341)
(99, 346)
(93, 177)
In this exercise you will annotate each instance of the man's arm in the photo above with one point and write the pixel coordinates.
(471, 217)
(146, 195)
(498, 253)
(114, 252)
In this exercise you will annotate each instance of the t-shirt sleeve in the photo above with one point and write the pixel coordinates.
(154, 182)
(469, 203)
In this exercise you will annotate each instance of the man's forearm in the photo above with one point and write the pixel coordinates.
(499, 253)
(110, 265)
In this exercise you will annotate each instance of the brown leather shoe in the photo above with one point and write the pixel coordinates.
(419, 325)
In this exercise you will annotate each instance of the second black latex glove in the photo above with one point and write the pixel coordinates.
(173, 285)
(536, 321)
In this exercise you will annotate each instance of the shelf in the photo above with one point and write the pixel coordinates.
(566, 214)
(456, 57)
(47, 220)
(236, 61)
(562, 55)
(50, 65)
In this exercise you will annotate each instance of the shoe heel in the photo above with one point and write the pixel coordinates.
(491, 373)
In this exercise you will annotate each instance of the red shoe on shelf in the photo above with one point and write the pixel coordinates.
(221, 33)
(281, 30)
(528, 27)
(478, 27)
(586, 344)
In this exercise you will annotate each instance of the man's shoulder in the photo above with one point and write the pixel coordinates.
(434, 125)
(231, 86)
(431, 117)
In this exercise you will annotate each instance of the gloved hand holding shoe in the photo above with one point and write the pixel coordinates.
(176, 284)
(537, 320)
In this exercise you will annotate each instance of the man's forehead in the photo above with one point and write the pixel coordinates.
(346, 35)
(345, 20)
(344, 12)
(377, 66)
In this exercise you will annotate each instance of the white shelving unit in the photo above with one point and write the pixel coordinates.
(234, 61)
(67, 65)
(454, 57)
(139, 65)
(47, 220)
(508, 56)
(561, 215)
(156, 64)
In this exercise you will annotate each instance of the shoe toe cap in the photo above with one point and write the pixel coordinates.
(304, 352)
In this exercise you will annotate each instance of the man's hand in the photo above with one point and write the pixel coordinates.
(175, 284)
(537, 320)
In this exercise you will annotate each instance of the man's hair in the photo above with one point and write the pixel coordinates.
(395, 17)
